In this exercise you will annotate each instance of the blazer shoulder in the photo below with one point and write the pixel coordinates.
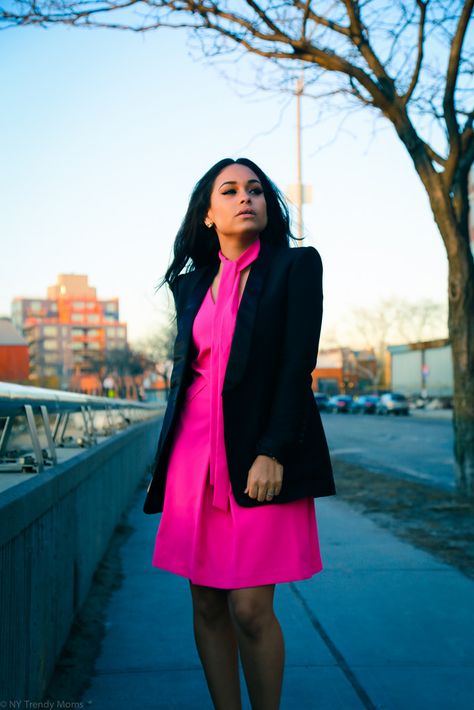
(303, 255)
(187, 278)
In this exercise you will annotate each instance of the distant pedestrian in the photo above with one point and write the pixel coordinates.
(242, 453)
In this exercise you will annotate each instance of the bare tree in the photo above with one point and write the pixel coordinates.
(373, 326)
(159, 348)
(159, 345)
(408, 60)
(395, 320)
(419, 320)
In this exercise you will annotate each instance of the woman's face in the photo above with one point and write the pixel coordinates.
(238, 205)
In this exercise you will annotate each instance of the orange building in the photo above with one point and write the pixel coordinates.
(14, 359)
(342, 370)
(70, 332)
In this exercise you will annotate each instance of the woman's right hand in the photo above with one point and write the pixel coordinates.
(264, 479)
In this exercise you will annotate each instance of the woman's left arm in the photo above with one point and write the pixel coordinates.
(286, 423)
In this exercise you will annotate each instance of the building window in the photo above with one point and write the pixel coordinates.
(110, 318)
(50, 330)
(110, 332)
(50, 357)
(92, 332)
(120, 332)
(79, 305)
(90, 305)
(93, 346)
(93, 318)
(77, 317)
(50, 344)
(36, 306)
(77, 331)
(77, 346)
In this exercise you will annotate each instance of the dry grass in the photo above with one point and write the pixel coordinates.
(437, 521)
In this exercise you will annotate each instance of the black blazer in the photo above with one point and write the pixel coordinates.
(268, 404)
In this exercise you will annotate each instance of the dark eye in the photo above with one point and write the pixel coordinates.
(256, 191)
(230, 191)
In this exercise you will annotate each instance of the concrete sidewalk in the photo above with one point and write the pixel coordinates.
(385, 625)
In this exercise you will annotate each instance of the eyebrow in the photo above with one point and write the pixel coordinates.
(234, 182)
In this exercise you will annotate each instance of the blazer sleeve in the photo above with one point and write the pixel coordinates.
(290, 405)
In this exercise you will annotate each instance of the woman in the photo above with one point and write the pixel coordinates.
(242, 452)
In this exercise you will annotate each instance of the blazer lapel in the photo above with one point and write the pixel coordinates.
(246, 318)
(196, 285)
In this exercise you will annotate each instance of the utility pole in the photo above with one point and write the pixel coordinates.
(299, 194)
(299, 177)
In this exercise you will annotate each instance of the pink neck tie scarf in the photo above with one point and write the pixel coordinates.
(223, 325)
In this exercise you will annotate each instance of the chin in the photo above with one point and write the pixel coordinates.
(252, 228)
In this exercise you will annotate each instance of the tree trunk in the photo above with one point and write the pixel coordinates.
(449, 207)
(461, 333)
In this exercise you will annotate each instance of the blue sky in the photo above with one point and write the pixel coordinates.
(104, 134)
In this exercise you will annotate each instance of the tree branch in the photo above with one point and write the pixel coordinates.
(421, 43)
(264, 17)
(318, 20)
(277, 36)
(434, 156)
(448, 100)
(360, 40)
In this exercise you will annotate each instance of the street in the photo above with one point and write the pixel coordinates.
(408, 447)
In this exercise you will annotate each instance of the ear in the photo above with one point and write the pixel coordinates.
(208, 221)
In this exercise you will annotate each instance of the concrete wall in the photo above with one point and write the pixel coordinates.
(54, 530)
(406, 371)
(439, 381)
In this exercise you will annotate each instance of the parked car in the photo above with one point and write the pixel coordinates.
(366, 403)
(322, 401)
(340, 403)
(393, 403)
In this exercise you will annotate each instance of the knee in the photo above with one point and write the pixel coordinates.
(251, 618)
(209, 608)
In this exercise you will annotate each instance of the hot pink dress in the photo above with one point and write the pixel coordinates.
(203, 533)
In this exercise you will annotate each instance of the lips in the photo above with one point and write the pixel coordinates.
(249, 212)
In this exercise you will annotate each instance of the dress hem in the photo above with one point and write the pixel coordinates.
(284, 578)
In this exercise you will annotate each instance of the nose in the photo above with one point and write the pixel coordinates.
(245, 197)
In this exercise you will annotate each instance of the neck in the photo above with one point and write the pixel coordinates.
(233, 247)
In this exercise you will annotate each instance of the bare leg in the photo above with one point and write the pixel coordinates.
(216, 643)
(260, 643)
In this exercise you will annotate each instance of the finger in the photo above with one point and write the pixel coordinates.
(252, 490)
(262, 494)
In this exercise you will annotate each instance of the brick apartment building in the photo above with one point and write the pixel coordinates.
(14, 360)
(69, 333)
(345, 371)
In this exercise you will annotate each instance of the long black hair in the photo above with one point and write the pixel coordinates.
(195, 245)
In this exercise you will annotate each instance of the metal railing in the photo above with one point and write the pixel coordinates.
(36, 422)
